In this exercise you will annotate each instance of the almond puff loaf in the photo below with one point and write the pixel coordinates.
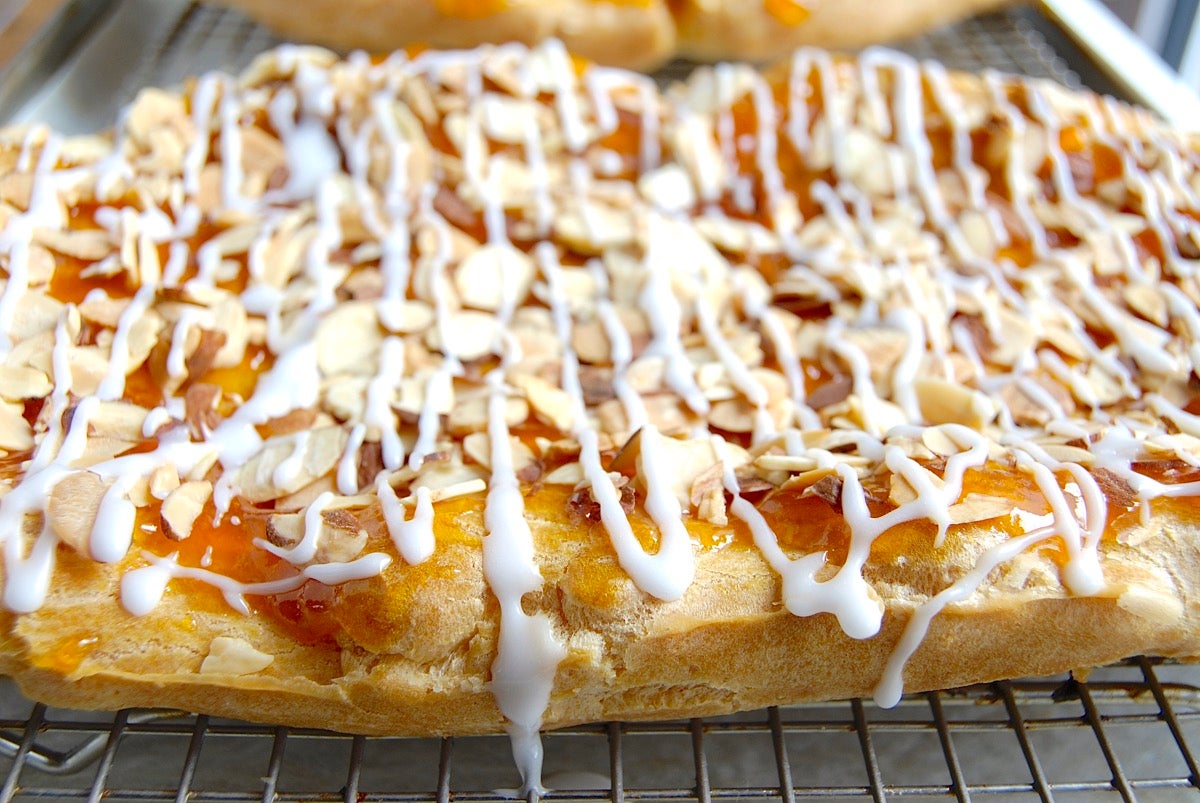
(462, 391)
(639, 34)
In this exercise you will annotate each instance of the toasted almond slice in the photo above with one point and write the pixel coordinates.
(88, 245)
(793, 464)
(348, 340)
(938, 442)
(117, 419)
(732, 415)
(707, 495)
(15, 432)
(183, 506)
(901, 491)
(471, 335)
(73, 506)
(470, 415)
(980, 507)
(319, 454)
(806, 479)
(492, 276)
(669, 188)
(446, 474)
(23, 382)
(35, 314)
(567, 474)
(592, 228)
(163, 480)
(943, 402)
(234, 656)
(452, 491)
(549, 403)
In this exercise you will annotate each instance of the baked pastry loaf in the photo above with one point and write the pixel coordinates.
(473, 390)
(640, 34)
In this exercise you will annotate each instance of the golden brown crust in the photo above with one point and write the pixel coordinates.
(727, 645)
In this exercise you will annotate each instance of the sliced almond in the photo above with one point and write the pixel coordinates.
(901, 491)
(592, 228)
(567, 474)
(163, 480)
(321, 451)
(707, 495)
(551, 404)
(471, 414)
(88, 245)
(470, 334)
(117, 419)
(73, 506)
(183, 506)
(980, 507)
(23, 382)
(16, 435)
(943, 402)
(669, 188)
(234, 656)
(493, 276)
(348, 340)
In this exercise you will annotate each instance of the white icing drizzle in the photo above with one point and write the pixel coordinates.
(347, 470)
(528, 652)
(306, 549)
(739, 373)
(891, 686)
(413, 537)
(669, 572)
(662, 308)
(380, 394)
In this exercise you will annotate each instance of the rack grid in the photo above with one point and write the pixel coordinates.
(1128, 733)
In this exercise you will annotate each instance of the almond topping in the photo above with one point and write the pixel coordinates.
(183, 506)
(73, 506)
(234, 656)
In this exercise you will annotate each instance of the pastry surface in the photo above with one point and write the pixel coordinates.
(640, 34)
(462, 391)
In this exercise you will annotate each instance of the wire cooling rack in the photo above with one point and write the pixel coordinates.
(1129, 733)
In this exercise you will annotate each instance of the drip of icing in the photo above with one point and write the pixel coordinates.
(413, 537)
(347, 469)
(739, 373)
(380, 393)
(669, 572)
(663, 311)
(306, 549)
(142, 589)
(1082, 575)
(112, 532)
(289, 468)
(891, 686)
(234, 592)
(529, 652)
(176, 366)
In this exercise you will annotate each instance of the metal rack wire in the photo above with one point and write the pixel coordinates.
(1046, 740)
